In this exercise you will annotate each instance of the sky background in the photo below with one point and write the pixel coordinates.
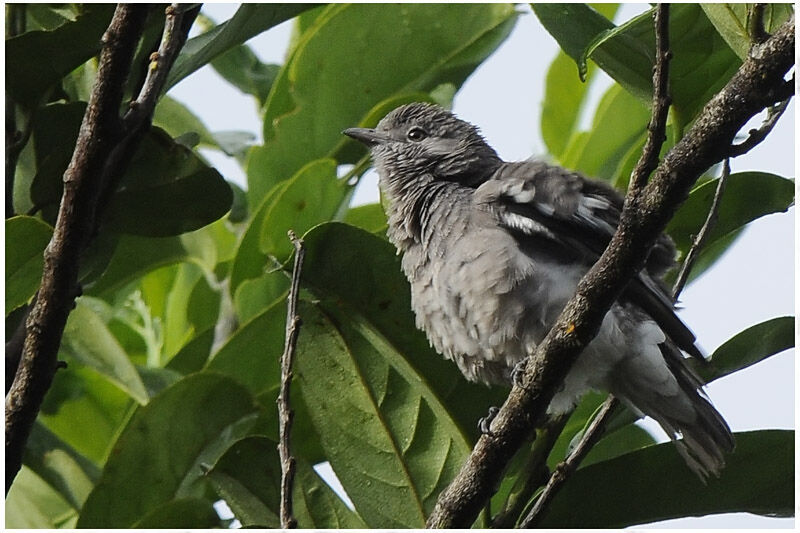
(753, 282)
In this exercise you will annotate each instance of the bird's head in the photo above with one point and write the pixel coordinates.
(424, 139)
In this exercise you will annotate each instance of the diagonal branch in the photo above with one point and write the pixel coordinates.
(285, 413)
(644, 218)
(103, 148)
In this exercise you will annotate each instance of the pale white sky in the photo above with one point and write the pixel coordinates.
(753, 282)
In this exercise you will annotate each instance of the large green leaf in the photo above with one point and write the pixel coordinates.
(248, 21)
(748, 196)
(733, 20)
(67, 472)
(176, 119)
(248, 478)
(748, 347)
(618, 123)
(702, 62)
(633, 489)
(376, 289)
(37, 60)
(159, 457)
(355, 56)
(182, 513)
(313, 195)
(31, 503)
(26, 239)
(100, 406)
(381, 426)
(87, 339)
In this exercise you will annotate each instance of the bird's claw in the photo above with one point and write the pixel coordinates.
(484, 424)
(517, 373)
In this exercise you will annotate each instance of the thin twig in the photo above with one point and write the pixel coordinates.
(702, 236)
(285, 414)
(657, 126)
(758, 33)
(567, 467)
(643, 219)
(648, 162)
(756, 136)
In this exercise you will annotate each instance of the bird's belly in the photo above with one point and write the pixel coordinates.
(489, 312)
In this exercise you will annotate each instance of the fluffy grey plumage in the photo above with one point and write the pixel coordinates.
(494, 250)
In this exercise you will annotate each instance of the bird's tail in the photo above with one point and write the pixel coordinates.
(701, 435)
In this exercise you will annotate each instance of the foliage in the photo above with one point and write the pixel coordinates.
(168, 401)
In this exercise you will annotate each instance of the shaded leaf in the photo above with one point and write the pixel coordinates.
(37, 60)
(337, 72)
(248, 21)
(194, 354)
(188, 513)
(67, 472)
(87, 339)
(368, 217)
(242, 68)
(382, 428)
(632, 489)
(158, 458)
(26, 239)
(32, 503)
(176, 119)
(248, 478)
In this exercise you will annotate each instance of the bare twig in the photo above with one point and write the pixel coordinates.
(570, 464)
(657, 126)
(758, 34)
(285, 413)
(702, 236)
(756, 136)
(643, 219)
(103, 148)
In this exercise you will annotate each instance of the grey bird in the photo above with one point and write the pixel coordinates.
(493, 250)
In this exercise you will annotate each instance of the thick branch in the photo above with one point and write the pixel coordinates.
(749, 91)
(285, 413)
(103, 148)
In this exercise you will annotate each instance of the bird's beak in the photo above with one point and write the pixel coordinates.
(368, 136)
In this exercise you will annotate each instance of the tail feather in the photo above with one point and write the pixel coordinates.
(705, 437)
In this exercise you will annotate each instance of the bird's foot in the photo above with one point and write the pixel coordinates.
(484, 424)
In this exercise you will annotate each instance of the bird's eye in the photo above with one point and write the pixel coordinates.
(416, 134)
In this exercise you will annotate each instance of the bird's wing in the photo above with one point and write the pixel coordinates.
(547, 208)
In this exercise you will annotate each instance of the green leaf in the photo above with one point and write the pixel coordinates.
(249, 21)
(382, 428)
(87, 339)
(376, 289)
(732, 22)
(311, 196)
(248, 477)
(255, 295)
(176, 119)
(618, 123)
(67, 472)
(37, 60)
(49, 16)
(242, 68)
(702, 62)
(26, 239)
(184, 513)
(167, 190)
(159, 457)
(368, 217)
(338, 71)
(748, 196)
(748, 347)
(564, 95)
(32, 503)
(633, 489)
(83, 394)
(194, 354)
